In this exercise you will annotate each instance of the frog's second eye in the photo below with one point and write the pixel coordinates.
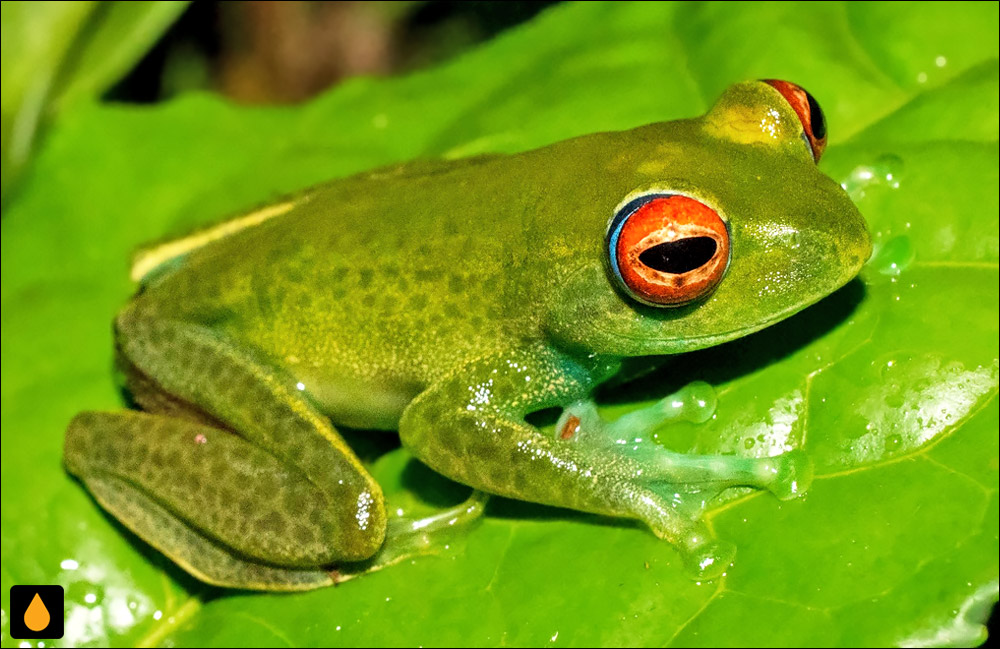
(667, 249)
(809, 112)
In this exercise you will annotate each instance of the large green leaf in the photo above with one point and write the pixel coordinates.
(890, 384)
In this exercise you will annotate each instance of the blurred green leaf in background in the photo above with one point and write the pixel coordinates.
(57, 54)
(890, 384)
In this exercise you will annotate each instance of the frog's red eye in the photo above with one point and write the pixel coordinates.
(808, 111)
(667, 249)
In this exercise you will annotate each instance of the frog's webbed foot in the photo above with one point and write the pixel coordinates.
(787, 476)
(675, 487)
(414, 533)
(406, 537)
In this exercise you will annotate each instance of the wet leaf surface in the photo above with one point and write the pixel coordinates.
(890, 384)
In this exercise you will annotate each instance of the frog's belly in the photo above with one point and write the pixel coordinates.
(359, 403)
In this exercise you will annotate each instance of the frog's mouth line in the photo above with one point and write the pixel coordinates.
(702, 342)
(655, 346)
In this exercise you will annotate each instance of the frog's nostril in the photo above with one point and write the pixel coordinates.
(680, 256)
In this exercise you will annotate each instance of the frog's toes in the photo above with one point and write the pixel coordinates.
(704, 556)
(695, 402)
(707, 558)
(409, 537)
(789, 475)
(580, 421)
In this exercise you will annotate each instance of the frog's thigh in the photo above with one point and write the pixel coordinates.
(306, 496)
(214, 504)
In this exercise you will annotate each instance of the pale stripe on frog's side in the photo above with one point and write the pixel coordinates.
(148, 260)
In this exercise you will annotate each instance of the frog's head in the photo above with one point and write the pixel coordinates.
(725, 226)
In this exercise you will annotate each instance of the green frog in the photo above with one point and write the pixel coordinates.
(450, 300)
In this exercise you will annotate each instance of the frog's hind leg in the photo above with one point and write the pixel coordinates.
(151, 473)
(266, 503)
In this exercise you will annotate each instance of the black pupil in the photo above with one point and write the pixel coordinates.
(679, 256)
(818, 123)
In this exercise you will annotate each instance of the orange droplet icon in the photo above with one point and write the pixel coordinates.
(36, 617)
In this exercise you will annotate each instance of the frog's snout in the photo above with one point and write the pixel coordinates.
(853, 243)
(867, 246)
(862, 248)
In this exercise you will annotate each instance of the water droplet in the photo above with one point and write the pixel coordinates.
(893, 257)
(894, 397)
(889, 368)
(886, 171)
(893, 442)
(36, 617)
(748, 443)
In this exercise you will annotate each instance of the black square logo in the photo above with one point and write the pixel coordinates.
(36, 612)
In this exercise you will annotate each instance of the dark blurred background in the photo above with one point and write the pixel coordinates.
(58, 57)
(284, 52)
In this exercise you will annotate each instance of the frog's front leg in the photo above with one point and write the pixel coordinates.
(470, 426)
(238, 478)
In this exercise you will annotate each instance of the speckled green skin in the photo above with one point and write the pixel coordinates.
(446, 300)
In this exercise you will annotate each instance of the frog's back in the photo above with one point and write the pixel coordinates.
(369, 288)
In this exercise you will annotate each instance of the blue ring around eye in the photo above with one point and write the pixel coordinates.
(615, 228)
